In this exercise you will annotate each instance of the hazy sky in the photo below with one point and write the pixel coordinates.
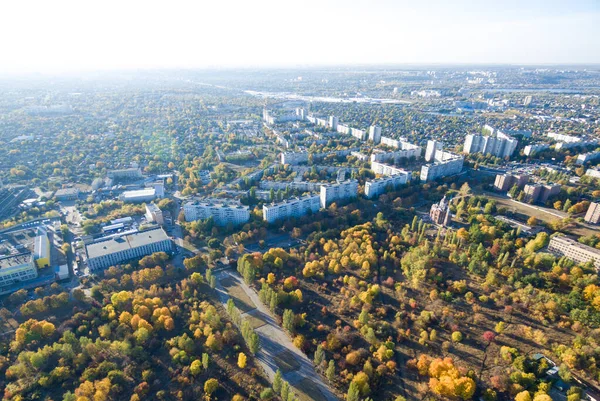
(61, 35)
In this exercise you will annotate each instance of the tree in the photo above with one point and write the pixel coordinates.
(277, 382)
(319, 355)
(330, 372)
(457, 336)
(242, 360)
(288, 320)
(210, 386)
(196, 368)
(532, 221)
(353, 392)
(523, 396)
(205, 361)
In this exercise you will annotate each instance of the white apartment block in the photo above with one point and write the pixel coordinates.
(340, 191)
(578, 144)
(375, 134)
(432, 147)
(114, 250)
(499, 144)
(294, 207)
(154, 214)
(125, 173)
(333, 122)
(571, 249)
(379, 186)
(15, 269)
(395, 157)
(592, 172)
(222, 213)
(386, 169)
(583, 158)
(294, 157)
(563, 138)
(444, 165)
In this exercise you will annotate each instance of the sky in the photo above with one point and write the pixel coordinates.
(63, 35)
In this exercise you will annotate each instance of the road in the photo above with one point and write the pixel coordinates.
(274, 341)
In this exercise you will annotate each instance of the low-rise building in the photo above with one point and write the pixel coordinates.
(440, 212)
(114, 250)
(294, 157)
(64, 194)
(378, 186)
(15, 269)
(540, 192)
(294, 207)
(154, 214)
(222, 213)
(571, 249)
(128, 173)
(340, 191)
(593, 213)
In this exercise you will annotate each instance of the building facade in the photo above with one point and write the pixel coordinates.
(222, 213)
(593, 213)
(505, 182)
(573, 250)
(499, 144)
(41, 248)
(432, 148)
(294, 207)
(294, 157)
(375, 134)
(440, 212)
(340, 191)
(376, 187)
(154, 214)
(15, 269)
(446, 165)
(114, 250)
(386, 169)
(530, 150)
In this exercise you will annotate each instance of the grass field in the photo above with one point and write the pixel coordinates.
(239, 296)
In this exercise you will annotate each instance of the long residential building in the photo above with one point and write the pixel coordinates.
(221, 212)
(114, 250)
(294, 207)
(593, 172)
(571, 249)
(378, 186)
(407, 151)
(496, 144)
(340, 191)
(386, 169)
(530, 150)
(593, 213)
(128, 173)
(15, 269)
(583, 158)
(294, 157)
(445, 164)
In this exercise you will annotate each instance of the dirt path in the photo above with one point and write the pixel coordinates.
(276, 348)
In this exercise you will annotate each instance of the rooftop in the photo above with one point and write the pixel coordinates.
(121, 243)
(15, 260)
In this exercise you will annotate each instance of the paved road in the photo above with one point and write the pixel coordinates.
(274, 341)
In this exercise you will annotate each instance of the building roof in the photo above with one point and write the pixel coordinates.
(115, 244)
(66, 191)
(216, 204)
(139, 193)
(15, 260)
(152, 208)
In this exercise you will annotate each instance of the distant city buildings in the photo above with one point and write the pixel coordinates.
(440, 212)
(586, 157)
(504, 182)
(378, 186)
(593, 213)
(497, 143)
(295, 207)
(571, 249)
(340, 191)
(593, 172)
(221, 212)
(15, 269)
(114, 250)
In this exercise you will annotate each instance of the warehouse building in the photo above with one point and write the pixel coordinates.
(114, 250)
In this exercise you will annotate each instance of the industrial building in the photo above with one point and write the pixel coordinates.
(221, 212)
(340, 191)
(113, 250)
(593, 213)
(576, 251)
(294, 207)
(15, 269)
(143, 195)
(376, 187)
(41, 248)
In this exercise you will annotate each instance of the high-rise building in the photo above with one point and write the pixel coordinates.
(375, 134)
(505, 182)
(222, 213)
(440, 212)
(386, 169)
(333, 122)
(294, 207)
(154, 214)
(379, 186)
(571, 249)
(340, 191)
(432, 147)
(444, 165)
(540, 192)
(530, 150)
(497, 144)
(593, 213)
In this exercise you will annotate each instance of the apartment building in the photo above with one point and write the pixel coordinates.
(294, 157)
(505, 182)
(340, 191)
(445, 164)
(154, 214)
(375, 134)
(294, 207)
(497, 144)
(376, 187)
(128, 173)
(221, 212)
(386, 169)
(432, 148)
(114, 250)
(531, 150)
(15, 269)
(540, 192)
(573, 250)
(593, 213)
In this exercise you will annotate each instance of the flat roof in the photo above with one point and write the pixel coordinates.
(15, 260)
(115, 244)
(139, 192)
